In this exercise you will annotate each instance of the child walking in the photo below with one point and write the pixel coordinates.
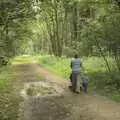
(85, 81)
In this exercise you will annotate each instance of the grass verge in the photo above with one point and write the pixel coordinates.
(9, 98)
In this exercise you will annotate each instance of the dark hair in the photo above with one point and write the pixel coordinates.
(76, 56)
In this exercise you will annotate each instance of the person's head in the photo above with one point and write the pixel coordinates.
(76, 56)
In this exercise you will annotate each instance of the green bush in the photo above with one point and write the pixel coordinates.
(3, 60)
(58, 65)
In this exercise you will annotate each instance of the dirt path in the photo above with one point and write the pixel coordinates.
(67, 106)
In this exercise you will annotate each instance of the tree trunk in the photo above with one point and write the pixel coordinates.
(75, 29)
(106, 62)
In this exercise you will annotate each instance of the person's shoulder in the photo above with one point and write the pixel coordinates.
(78, 59)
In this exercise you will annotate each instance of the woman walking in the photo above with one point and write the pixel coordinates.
(76, 65)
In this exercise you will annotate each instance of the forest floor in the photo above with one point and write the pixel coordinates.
(66, 105)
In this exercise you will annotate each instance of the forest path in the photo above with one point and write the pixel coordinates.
(65, 106)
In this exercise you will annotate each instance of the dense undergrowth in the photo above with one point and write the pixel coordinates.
(100, 79)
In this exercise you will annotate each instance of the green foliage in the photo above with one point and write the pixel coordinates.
(4, 61)
(13, 15)
(59, 65)
(9, 100)
(116, 97)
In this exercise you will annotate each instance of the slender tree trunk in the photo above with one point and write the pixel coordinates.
(66, 28)
(106, 62)
(117, 60)
(75, 22)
